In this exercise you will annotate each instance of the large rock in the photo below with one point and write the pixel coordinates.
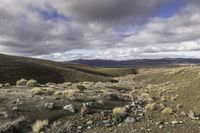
(69, 108)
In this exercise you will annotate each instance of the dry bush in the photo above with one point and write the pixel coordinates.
(151, 106)
(58, 93)
(119, 112)
(32, 83)
(39, 125)
(21, 82)
(37, 91)
(167, 111)
(71, 94)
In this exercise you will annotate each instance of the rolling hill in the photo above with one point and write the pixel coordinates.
(138, 62)
(13, 68)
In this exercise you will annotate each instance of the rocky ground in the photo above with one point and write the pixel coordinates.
(156, 100)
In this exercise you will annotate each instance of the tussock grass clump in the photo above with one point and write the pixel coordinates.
(21, 82)
(39, 125)
(42, 91)
(119, 112)
(71, 94)
(37, 91)
(32, 83)
(151, 106)
(167, 111)
(58, 93)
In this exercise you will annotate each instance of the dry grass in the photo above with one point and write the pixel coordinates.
(39, 125)
(21, 82)
(71, 94)
(32, 83)
(58, 93)
(151, 106)
(167, 111)
(37, 91)
(119, 112)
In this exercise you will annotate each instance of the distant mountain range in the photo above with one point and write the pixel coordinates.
(137, 63)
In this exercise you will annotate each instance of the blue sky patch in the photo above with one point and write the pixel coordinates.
(168, 10)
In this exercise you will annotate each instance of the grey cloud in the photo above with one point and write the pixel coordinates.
(24, 31)
(106, 10)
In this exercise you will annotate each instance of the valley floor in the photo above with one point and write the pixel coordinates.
(156, 100)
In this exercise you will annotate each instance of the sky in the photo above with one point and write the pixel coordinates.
(65, 30)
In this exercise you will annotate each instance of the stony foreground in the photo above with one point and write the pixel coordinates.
(155, 101)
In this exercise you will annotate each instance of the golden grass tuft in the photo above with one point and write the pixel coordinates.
(39, 125)
(151, 106)
(32, 83)
(21, 82)
(119, 112)
(167, 111)
(58, 93)
(71, 94)
(37, 91)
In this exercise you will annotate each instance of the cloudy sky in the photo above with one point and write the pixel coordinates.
(100, 29)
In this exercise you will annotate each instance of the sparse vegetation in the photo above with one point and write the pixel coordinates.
(151, 106)
(119, 112)
(39, 125)
(32, 83)
(138, 100)
(58, 93)
(21, 82)
(37, 91)
(167, 111)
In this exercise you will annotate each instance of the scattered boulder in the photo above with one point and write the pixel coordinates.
(4, 114)
(69, 108)
(15, 108)
(130, 119)
(49, 105)
(85, 109)
(192, 115)
(174, 122)
(7, 85)
(89, 123)
(1, 85)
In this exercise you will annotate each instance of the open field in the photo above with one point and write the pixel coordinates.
(155, 100)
